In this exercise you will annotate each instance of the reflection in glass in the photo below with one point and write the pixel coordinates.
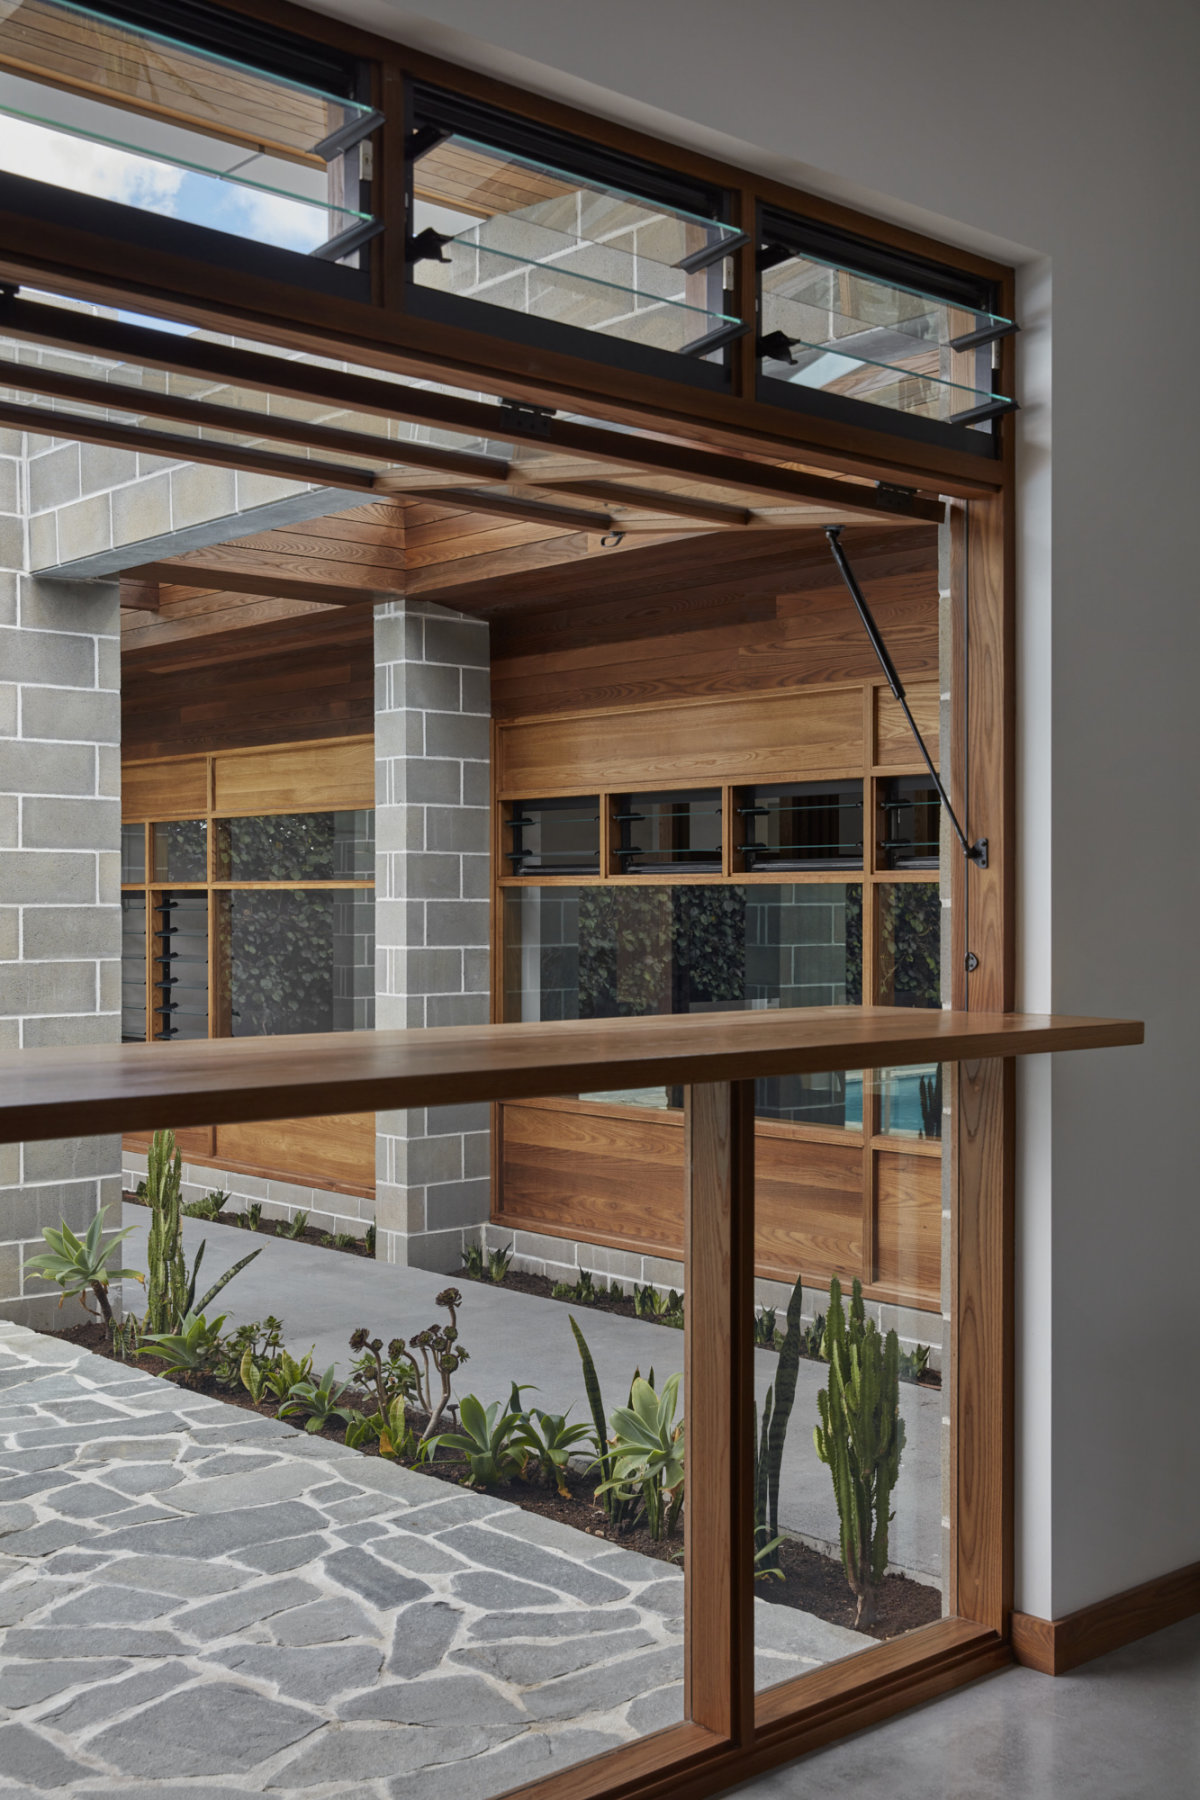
(910, 944)
(130, 114)
(519, 233)
(297, 847)
(133, 967)
(613, 951)
(297, 960)
(910, 1101)
(841, 332)
(910, 823)
(554, 837)
(133, 853)
(181, 851)
(802, 825)
(660, 831)
(181, 966)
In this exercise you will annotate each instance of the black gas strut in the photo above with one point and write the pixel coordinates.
(978, 851)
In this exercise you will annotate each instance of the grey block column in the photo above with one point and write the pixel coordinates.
(60, 895)
(432, 820)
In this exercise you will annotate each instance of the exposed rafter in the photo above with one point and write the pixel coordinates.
(245, 581)
(463, 465)
(300, 380)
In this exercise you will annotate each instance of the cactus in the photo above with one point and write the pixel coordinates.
(167, 1278)
(930, 1092)
(777, 1412)
(861, 1439)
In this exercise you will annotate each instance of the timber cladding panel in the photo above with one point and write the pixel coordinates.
(615, 1176)
(771, 737)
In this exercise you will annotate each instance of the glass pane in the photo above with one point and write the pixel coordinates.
(297, 960)
(612, 951)
(181, 851)
(553, 837)
(181, 966)
(910, 823)
(910, 944)
(827, 327)
(133, 853)
(804, 825)
(133, 967)
(910, 1101)
(519, 233)
(662, 831)
(133, 115)
(841, 1563)
(297, 847)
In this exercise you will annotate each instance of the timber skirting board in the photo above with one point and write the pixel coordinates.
(1053, 1646)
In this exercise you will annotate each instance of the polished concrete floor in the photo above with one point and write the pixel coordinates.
(1126, 1727)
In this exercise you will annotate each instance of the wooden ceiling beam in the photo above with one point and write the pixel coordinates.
(463, 465)
(139, 594)
(243, 581)
(176, 448)
(510, 506)
(615, 493)
(63, 329)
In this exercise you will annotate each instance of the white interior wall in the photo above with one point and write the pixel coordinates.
(1063, 136)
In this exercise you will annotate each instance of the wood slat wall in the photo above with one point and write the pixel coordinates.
(678, 685)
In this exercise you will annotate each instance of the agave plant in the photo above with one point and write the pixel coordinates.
(81, 1265)
(188, 1351)
(489, 1440)
(550, 1441)
(646, 1455)
(317, 1401)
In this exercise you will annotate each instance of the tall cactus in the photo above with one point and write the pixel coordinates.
(861, 1439)
(167, 1279)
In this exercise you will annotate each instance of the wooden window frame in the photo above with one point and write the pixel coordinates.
(730, 1736)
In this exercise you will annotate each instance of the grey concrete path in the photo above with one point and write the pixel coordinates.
(321, 1295)
(1125, 1727)
(199, 1602)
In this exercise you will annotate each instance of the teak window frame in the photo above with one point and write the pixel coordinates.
(731, 1736)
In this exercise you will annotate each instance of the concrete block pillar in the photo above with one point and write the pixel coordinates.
(60, 894)
(432, 822)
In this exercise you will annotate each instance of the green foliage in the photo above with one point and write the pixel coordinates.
(390, 1378)
(210, 1207)
(914, 1363)
(191, 1351)
(766, 1556)
(910, 945)
(167, 1279)
(369, 1237)
(615, 1291)
(930, 1091)
(423, 1366)
(277, 948)
(617, 1509)
(490, 1440)
(656, 950)
(248, 1355)
(861, 1439)
(344, 1240)
(316, 1401)
(764, 1328)
(497, 1263)
(646, 1454)
(362, 1429)
(666, 1309)
(474, 1261)
(286, 1372)
(550, 1441)
(397, 1438)
(221, 1282)
(295, 1227)
(82, 1265)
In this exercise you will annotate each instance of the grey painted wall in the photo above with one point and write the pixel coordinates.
(60, 930)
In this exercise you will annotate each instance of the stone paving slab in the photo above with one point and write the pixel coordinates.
(199, 1604)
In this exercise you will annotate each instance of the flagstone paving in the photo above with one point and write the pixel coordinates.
(198, 1603)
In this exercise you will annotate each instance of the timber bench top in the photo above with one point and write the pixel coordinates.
(139, 1087)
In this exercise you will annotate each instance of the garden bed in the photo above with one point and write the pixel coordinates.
(813, 1584)
(604, 1301)
(343, 1241)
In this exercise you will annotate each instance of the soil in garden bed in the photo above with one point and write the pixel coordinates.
(813, 1583)
(274, 1228)
(520, 1282)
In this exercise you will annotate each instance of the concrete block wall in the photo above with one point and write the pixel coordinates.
(432, 913)
(60, 928)
(327, 1210)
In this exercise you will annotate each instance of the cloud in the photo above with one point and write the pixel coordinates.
(87, 168)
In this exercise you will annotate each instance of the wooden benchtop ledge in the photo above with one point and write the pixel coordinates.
(139, 1087)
